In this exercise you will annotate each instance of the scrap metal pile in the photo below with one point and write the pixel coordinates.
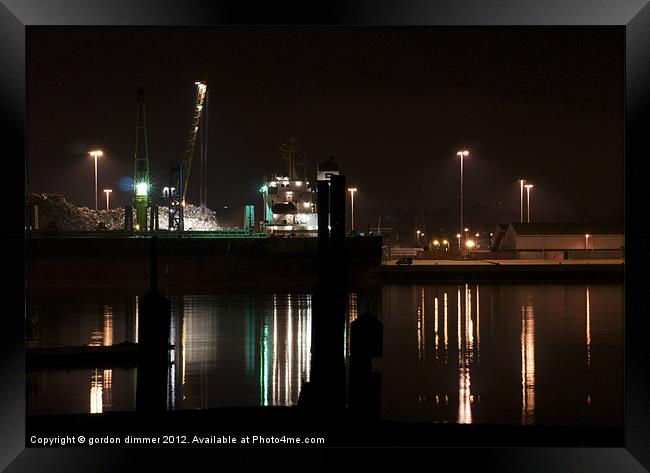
(56, 213)
(195, 220)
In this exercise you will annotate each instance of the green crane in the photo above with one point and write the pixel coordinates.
(141, 183)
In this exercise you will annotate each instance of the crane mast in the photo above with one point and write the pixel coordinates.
(201, 91)
(141, 183)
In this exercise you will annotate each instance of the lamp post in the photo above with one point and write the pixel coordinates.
(521, 200)
(96, 154)
(462, 154)
(352, 190)
(528, 188)
(586, 243)
(459, 248)
(446, 243)
(108, 193)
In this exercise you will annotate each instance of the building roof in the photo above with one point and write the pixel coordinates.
(568, 228)
(499, 232)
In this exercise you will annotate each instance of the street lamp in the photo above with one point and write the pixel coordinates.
(521, 200)
(586, 243)
(108, 193)
(469, 244)
(462, 154)
(445, 242)
(436, 243)
(528, 188)
(466, 230)
(96, 154)
(352, 190)
(458, 236)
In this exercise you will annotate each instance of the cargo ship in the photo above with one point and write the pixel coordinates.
(289, 200)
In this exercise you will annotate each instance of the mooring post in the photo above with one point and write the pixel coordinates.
(154, 327)
(337, 290)
(366, 344)
(326, 390)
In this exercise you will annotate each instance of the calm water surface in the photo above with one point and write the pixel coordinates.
(516, 354)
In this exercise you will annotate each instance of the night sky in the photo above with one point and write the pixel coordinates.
(393, 105)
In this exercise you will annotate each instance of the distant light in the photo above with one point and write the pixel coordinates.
(108, 190)
(528, 186)
(298, 183)
(444, 242)
(96, 153)
(352, 189)
(141, 189)
(491, 234)
(463, 153)
(264, 188)
(306, 204)
(457, 235)
(587, 235)
(469, 243)
(477, 235)
(137, 226)
(274, 184)
(436, 242)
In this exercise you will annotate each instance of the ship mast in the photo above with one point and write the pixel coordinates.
(289, 152)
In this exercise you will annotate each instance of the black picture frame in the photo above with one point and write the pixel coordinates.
(632, 15)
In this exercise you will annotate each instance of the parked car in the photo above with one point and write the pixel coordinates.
(405, 260)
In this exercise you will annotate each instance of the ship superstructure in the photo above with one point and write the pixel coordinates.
(289, 201)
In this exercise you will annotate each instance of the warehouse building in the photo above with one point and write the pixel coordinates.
(561, 240)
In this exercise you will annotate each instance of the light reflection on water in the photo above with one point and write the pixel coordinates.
(240, 350)
(523, 353)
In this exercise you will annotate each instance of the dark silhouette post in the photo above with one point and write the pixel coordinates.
(366, 343)
(128, 218)
(327, 389)
(154, 325)
(153, 220)
(337, 284)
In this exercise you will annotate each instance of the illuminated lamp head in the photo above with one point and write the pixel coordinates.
(141, 189)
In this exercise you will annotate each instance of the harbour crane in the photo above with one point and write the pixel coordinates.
(180, 175)
(190, 144)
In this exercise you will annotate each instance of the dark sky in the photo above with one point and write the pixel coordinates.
(393, 105)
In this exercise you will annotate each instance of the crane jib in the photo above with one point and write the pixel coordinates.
(201, 91)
